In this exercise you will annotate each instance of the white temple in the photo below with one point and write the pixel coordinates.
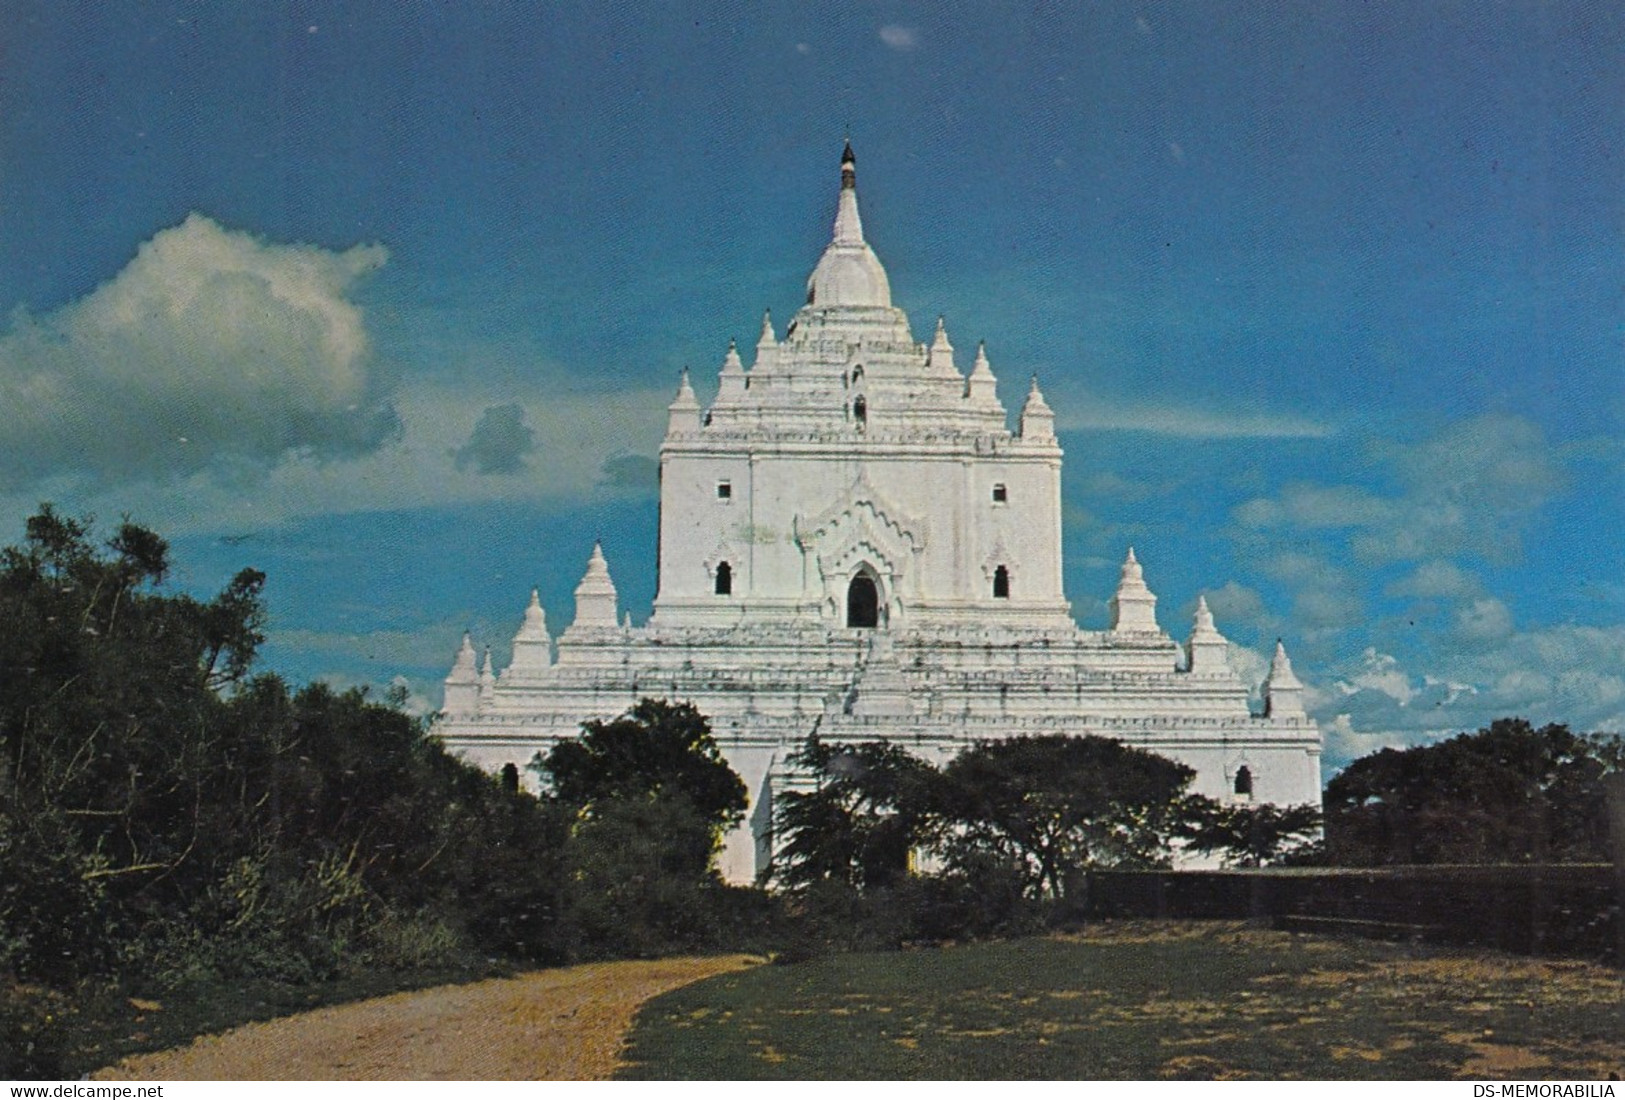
(853, 542)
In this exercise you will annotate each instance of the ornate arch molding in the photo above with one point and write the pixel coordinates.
(996, 557)
(862, 533)
(724, 551)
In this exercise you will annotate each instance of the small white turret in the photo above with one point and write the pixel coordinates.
(731, 379)
(463, 684)
(767, 353)
(1134, 608)
(595, 595)
(940, 359)
(488, 677)
(981, 387)
(1283, 691)
(685, 410)
(1037, 418)
(532, 646)
(1208, 650)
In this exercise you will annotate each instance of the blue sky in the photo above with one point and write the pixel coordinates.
(388, 300)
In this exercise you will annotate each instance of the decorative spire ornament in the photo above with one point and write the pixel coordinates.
(1037, 418)
(1133, 607)
(595, 595)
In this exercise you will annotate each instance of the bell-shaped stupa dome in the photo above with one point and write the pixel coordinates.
(849, 273)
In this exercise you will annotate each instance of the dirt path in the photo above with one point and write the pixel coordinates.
(564, 1024)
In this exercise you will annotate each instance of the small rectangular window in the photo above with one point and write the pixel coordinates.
(725, 490)
(1000, 493)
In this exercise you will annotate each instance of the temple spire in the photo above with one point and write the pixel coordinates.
(1133, 607)
(849, 273)
(941, 357)
(848, 225)
(684, 410)
(1207, 649)
(767, 351)
(1037, 418)
(462, 698)
(731, 379)
(982, 387)
(595, 595)
(1283, 691)
(532, 646)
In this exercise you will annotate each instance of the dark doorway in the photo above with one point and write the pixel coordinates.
(725, 579)
(1001, 583)
(1244, 780)
(863, 602)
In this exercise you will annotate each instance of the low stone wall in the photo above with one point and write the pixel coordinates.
(1567, 910)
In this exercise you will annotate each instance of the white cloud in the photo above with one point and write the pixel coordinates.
(1570, 674)
(576, 431)
(1235, 603)
(1471, 489)
(1437, 580)
(211, 346)
(1250, 665)
(1483, 619)
(1379, 672)
(1326, 608)
(899, 37)
(1100, 415)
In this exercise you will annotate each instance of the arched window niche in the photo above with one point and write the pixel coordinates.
(725, 579)
(1244, 781)
(863, 602)
(1001, 583)
(860, 411)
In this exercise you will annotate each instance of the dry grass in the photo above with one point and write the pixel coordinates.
(1146, 1000)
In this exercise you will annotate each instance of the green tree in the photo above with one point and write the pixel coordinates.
(1056, 804)
(655, 749)
(1509, 793)
(163, 808)
(650, 796)
(868, 808)
(112, 723)
(1250, 835)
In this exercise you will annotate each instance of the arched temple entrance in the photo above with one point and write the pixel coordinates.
(863, 602)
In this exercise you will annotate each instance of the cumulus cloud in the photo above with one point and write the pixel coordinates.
(211, 346)
(899, 37)
(637, 473)
(1562, 673)
(1473, 488)
(1235, 603)
(1436, 580)
(500, 442)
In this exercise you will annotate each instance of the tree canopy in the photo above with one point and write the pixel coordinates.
(1251, 834)
(164, 809)
(867, 806)
(656, 749)
(1509, 793)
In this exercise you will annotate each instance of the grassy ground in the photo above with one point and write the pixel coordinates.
(1139, 1000)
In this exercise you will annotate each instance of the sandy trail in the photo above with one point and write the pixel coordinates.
(566, 1024)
